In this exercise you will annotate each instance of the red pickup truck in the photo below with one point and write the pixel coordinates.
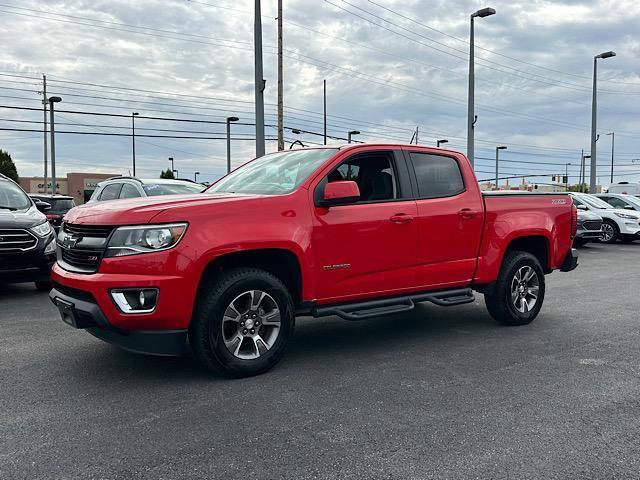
(356, 232)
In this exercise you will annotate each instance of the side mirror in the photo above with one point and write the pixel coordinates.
(343, 192)
(42, 206)
(582, 207)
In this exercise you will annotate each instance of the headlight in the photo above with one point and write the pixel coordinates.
(42, 230)
(50, 248)
(624, 215)
(144, 239)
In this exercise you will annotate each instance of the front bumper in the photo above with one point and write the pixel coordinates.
(80, 310)
(570, 261)
(589, 234)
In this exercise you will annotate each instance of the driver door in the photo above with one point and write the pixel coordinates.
(367, 248)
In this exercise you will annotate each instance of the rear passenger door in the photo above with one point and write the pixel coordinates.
(450, 220)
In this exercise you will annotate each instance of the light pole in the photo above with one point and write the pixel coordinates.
(584, 172)
(171, 160)
(195, 176)
(351, 133)
(133, 139)
(53, 100)
(613, 143)
(439, 142)
(566, 176)
(259, 80)
(594, 119)
(485, 12)
(502, 147)
(229, 120)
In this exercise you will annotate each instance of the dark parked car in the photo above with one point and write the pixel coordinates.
(27, 241)
(60, 205)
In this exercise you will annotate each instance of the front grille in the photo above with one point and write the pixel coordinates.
(592, 225)
(87, 230)
(16, 240)
(87, 259)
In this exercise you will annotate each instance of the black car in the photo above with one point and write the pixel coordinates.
(60, 205)
(27, 241)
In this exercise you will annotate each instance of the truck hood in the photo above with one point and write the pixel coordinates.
(137, 211)
(21, 219)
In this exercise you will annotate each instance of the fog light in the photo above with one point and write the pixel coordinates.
(135, 300)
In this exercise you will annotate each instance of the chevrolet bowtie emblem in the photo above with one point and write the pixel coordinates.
(70, 241)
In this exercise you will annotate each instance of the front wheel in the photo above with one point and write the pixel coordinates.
(242, 323)
(610, 232)
(519, 290)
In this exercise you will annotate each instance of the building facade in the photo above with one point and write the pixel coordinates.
(80, 186)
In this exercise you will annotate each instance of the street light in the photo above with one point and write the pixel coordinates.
(485, 12)
(584, 172)
(53, 100)
(613, 142)
(133, 139)
(171, 160)
(229, 120)
(439, 142)
(594, 120)
(502, 147)
(195, 176)
(351, 133)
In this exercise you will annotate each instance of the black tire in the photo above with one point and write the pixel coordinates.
(615, 231)
(206, 330)
(43, 286)
(500, 304)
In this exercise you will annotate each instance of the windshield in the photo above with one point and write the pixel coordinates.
(154, 189)
(595, 202)
(12, 197)
(274, 174)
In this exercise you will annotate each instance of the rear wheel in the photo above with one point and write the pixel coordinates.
(610, 232)
(519, 290)
(243, 322)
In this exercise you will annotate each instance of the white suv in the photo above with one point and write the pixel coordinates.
(116, 188)
(617, 223)
(620, 200)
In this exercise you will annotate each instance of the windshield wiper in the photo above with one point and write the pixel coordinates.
(2, 207)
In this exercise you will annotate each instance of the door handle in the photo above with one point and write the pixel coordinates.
(401, 218)
(467, 213)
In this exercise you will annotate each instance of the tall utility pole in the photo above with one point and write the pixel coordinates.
(229, 121)
(502, 147)
(133, 140)
(417, 133)
(324, 84)
(471, 118)
(594, 119)
(280, 86)
(259, 80)
(53, 100)
(613, 143)
(44, 127)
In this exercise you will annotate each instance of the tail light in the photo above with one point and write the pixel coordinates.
(574, 221)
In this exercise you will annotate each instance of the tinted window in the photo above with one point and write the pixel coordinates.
(373, 173)
(614, 202)
(153, 189)
(437, 176)
(129, 191)
(110, 192)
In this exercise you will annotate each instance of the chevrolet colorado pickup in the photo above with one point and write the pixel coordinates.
(356, 231)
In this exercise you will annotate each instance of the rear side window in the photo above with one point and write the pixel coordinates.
(437, 175)
(129, 191)
(110, 192)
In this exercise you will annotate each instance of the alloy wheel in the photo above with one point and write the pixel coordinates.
(251, 324)
(607, 232)
(525, 286)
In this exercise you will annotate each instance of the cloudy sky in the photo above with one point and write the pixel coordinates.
(390, 66)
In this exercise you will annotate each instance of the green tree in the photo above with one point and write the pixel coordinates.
(166, 173)
(7, 167)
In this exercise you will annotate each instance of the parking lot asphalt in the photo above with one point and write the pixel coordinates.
(434, 393)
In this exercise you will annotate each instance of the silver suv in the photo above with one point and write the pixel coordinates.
(589, 228)
(131, 187)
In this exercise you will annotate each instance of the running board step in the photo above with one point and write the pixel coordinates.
(375, 308)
